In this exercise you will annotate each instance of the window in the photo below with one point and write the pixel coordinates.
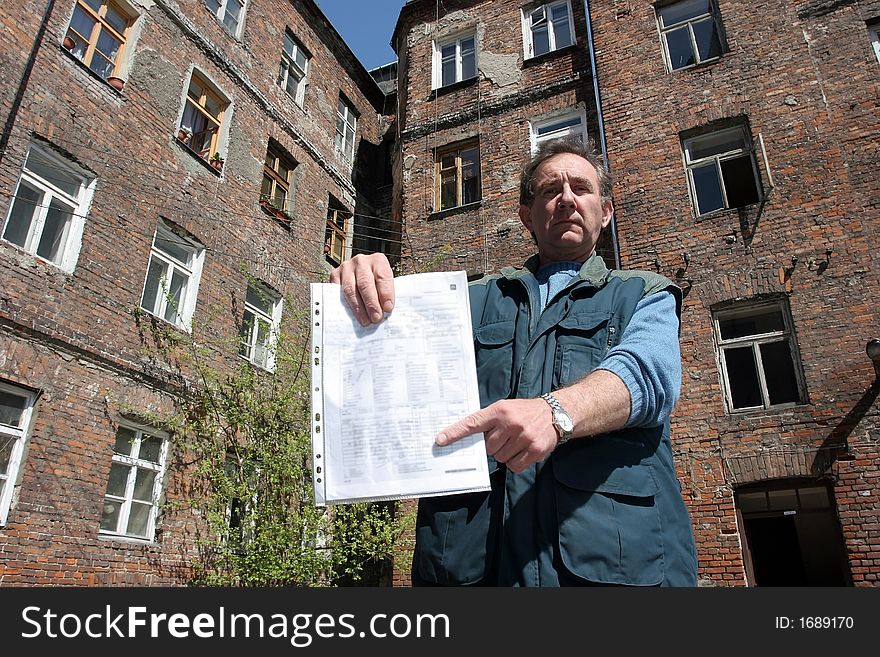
(49, 208)
(690, 32)
(547, 28)
(346, 126)
(202, 118)
(757, 356)
(277, 174)
(260, 325)
(560, 126)
(874, 31)
(16, 406)
(99, 30)
(722, 171)
(131, 503)
(455, 60)
(228, 12)
(172, 277)
(457, 176)
(339, 220)
(294, 66)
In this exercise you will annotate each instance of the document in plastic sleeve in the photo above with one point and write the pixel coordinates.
(381, 393)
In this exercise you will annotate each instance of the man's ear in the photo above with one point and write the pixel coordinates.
(525, 216)
(607, 211)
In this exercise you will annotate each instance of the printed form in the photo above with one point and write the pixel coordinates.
(381, 393)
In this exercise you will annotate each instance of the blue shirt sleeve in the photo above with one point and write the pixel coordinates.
(648, 360)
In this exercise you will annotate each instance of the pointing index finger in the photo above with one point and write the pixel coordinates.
(468, 425)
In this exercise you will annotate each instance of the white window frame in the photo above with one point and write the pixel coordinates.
(272, 319)
(71, 241)
(289, 65)
(18, 435)
(528, 14)
(346, 129)
(786, 334)
(219, 8)
(132, 462)
(711, 14)
(437, 78)
(192, 270)
(874, 31)
(554, 128)
(718, 158)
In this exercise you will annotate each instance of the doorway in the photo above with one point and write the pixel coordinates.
(792, 535)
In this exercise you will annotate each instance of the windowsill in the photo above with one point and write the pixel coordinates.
(725, 211)
(450, 88)
(131, 540)
(50, 267)
(85, 68)
(752, 413)
(700, 65)
(281, 216)
(204, 162)
(256, 366)
(459, 209)
(537, 59)
(155, 319)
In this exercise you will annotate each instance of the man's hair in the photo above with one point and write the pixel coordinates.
(570, 144)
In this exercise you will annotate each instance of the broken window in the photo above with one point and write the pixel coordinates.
(758, 358)
(547, 28)
(690, 32)
(722, 170)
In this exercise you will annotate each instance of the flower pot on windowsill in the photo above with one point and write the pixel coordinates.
(116, 83)
(217, 163)
(183, 135)
(69, 43)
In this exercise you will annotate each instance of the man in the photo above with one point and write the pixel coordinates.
(584, 490)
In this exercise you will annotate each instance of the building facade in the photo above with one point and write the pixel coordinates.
(190, 165)
(743, 140)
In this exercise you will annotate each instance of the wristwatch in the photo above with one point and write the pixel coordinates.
(562, 421)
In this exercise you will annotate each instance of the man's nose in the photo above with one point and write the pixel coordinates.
(566, 198)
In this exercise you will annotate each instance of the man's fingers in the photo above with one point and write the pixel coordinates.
(367, 284)
(471, 424)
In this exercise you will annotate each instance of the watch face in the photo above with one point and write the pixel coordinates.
(564, 422)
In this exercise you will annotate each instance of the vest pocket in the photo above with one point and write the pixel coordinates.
(580, 344)
(607, 513)
(494, 356)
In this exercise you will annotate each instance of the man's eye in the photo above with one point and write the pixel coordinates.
(580, 190)
(550, 192)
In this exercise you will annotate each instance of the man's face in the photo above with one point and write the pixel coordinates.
(567, 214)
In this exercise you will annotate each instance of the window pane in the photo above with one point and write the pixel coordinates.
(742, 375)
(707, 188)
(101, 65)
(448, 196)
(716, 143)
(247, 325)
(82, 23)
(51, 246)
(173, 247)
(814, 497)
(150, 300)
(115, 19)
(779, 372)
(708, 41)
(678, 45)
(739, 181)
(138, 519)
(561, 29)
(540, 40)
(259, 300)
(108, 45)
(118, 479)
(11, 409)
(175, 296)
(124, 441)
(110, 515)
(758, 322)
(6, 445)
(752, 501)
(682, 11)
(143, 485)
(151, 449)
(783, 500)
(46, 169)
(448, 70)
(24, 209)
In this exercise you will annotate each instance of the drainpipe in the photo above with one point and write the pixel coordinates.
(598, 101)
(22, 85)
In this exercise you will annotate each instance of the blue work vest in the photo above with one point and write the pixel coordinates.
(599, 510)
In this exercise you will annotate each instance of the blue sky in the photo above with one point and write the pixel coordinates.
(366, 26)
